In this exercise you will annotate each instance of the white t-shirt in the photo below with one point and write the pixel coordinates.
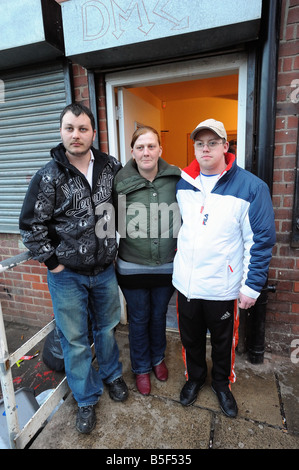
(208, 182)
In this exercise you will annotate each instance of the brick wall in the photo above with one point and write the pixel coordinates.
(82, 95)
(101, 95)
(80, 84)
(282, 324)
(24, 292)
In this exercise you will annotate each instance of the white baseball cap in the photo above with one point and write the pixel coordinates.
(212, 125)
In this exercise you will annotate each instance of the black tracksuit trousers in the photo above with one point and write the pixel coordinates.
(196, 316)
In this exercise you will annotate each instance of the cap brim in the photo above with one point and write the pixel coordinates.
(193, 134)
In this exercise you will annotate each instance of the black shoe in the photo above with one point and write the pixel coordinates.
(189, 392)
(86, 419)
(118, 389)
(227, 403)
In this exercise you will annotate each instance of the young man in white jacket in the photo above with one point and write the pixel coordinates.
(224, 251)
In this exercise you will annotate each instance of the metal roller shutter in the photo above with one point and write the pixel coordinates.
(29, 128)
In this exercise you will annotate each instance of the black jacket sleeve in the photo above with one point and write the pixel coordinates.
(37, 211)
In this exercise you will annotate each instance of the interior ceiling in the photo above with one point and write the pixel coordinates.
(219, 87)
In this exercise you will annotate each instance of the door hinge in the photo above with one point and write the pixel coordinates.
(118, 112)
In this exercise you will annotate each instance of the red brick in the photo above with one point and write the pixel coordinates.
(42, 302)
(286, 226)
(291, 31)
(80, 80)
(85, 93)
(281, 95)
(295, 308)
(296, 61)
(287, 63)
(288, 297)
(288, 201)
(34, 293)
(78, 70)
(31, 277)
(291, 150)
(103, 125)
(293, 122)
(289, 175)
(278, 151)
(278, 175)
(104, 147)
(39, 286)
(293, 16)
(285, 136)
(282, 263)
(40, 269)
(23, 299)
(286, 188)
(285, 286)
(47, 295)
(286, 78)
(289, 48)
(288, 275)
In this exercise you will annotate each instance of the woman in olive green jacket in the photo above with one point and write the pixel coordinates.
(148, 223)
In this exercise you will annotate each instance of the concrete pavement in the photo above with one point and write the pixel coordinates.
(267, 397)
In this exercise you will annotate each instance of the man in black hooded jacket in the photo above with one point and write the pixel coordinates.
(67, 223)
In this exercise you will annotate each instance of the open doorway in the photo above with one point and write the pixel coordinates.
(174, 99)
(176, 108)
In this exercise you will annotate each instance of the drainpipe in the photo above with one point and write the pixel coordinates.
(266, 105)
(256, 322)
(265, 139)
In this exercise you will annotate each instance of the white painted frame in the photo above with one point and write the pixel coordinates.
(176, 72)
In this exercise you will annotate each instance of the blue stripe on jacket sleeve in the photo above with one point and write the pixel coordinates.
(261, 217)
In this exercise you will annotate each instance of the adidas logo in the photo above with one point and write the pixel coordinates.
(225, 316)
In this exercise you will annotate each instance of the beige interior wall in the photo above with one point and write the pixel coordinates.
(180, 115)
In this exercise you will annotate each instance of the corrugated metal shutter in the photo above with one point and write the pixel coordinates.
(29, 128)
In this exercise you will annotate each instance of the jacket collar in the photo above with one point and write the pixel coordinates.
(58, 154)
(191, 172)
(100, 161)
(129, 179)
(100, 158)
(164, 168)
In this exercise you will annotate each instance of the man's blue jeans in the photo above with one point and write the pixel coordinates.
(147, 310)
(74, 297)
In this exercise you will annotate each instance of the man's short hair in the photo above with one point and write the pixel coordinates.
(77, 109)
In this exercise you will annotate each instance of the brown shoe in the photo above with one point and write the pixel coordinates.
(161, 371)
(143, 383)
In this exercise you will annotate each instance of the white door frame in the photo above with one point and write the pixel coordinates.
(177, 72)
(169, 73)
